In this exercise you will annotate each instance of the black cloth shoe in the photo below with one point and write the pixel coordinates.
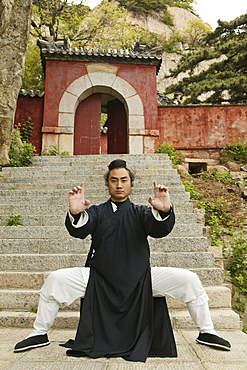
(213, 341)
(32, 342)
(71, 352)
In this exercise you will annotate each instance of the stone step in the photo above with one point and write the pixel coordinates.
(17, 199)
(91, 162)
(139, 172)
(44, 262)
(138, 167)
(10, 183)
(100, 159)
(18, 277)
(41, 209)
(26, 299)
(47, 232)
(180, 319)
(178, 244)
(223, 318)
(63, 192)
(32, 176)
(87, 168)
(65, 186)
(95, 167)
(169, 180)
(74, 245)
(209, 276)
(58, 220)
(27, 279)
(28, 253)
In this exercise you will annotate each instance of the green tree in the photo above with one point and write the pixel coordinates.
(225, 78)
(33, 76)
(57, 18)
(186, 4)
(104, 27)
(148, 6)
(107, 27)
(195, 32)
(145, 7)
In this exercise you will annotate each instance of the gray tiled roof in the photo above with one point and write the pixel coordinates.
(163, 100)
(31, 93)
(139, 54)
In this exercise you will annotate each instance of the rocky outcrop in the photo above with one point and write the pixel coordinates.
(15, 18)
(154, 23)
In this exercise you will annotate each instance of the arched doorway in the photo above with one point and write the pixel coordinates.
(87, 136)
(110, 87)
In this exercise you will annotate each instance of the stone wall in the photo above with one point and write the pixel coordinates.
(15, 18)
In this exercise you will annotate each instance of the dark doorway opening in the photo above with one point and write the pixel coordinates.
(117, 127)
(197, 167)
(101, 126)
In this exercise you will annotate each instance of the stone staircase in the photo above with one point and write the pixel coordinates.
(42, 244)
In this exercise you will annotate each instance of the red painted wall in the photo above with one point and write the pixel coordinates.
(28, 106)
(205, 127)
(143, 79)
(194, 128)
(60, 74)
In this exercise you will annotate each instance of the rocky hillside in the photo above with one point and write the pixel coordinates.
(154, 23)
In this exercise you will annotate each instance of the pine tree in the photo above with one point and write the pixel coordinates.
(225, 79)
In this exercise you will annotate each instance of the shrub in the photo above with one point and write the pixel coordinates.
(216, 217)
(14, 220)
(53, 150)
(20, 153)
(234, 151)
(175, 156)
(224, 177)
(194, 194)
(26, 130)
(237, 261)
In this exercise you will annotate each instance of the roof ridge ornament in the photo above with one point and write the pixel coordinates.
(149, 53)
(150, 48)
(48, 44)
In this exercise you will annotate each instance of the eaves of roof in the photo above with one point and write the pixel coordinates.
(31, 93)
(52, 52)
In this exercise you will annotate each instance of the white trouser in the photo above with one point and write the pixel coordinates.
(66, 285)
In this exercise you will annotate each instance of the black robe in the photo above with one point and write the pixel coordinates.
(117, 314)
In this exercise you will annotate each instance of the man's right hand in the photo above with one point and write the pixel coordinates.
(77, 201)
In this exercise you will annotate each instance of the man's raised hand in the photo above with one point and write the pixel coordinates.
(161, 200)
(77, 201)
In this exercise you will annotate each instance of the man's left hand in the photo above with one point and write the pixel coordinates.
(161, 200)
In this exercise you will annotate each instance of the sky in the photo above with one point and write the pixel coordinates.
(208, 10)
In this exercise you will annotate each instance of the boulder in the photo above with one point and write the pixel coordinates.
(233, 166)
(15, 17)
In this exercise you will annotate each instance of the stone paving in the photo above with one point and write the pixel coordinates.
(191, 356)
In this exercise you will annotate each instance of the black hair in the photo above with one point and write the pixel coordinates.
(118, 163)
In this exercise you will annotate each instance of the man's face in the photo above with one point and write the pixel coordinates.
(119, 184)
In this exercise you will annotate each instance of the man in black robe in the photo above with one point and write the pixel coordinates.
(116, 317)
(117, 313)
